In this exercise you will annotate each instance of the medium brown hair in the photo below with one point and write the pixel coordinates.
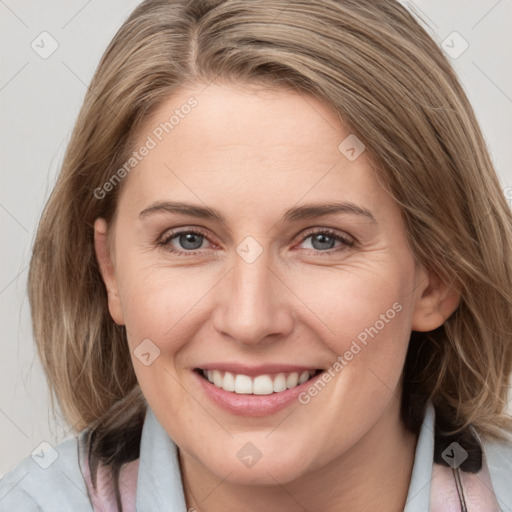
(390, 83)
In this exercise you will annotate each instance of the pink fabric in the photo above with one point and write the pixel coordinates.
(477, 488)
(103, 497)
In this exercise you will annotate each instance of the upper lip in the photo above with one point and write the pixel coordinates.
(253, 371)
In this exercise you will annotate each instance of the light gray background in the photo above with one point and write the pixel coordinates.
(40, 99)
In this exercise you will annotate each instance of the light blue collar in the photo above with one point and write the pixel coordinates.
(159, 484)
(418, 497)
(499, 462)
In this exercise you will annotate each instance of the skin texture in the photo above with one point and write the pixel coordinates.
(252, 154)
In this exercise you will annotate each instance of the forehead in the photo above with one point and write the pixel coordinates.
(225, 116)
(248, 145)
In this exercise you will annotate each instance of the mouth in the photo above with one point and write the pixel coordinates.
(255, 391)
(263, 384)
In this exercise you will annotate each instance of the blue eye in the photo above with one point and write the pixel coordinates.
(190, 241)
(326, 239)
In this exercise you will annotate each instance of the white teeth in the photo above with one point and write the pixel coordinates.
(292, 380)
(279, 383)
(304, 376)
(260, 385)
(229, 382)
(217, 378)
(243, 385)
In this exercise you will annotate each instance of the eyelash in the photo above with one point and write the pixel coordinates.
(348, 243)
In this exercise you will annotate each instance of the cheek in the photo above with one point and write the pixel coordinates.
(356, 302)
(159, 302)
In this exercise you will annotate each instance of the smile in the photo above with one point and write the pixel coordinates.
(259, 390)
(264, 384)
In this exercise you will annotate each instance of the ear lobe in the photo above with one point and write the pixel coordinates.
(438, 300)
(107, 270)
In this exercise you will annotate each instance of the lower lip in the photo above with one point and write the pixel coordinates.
(253, 405)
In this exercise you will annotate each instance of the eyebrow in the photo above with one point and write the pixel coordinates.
(294, 214)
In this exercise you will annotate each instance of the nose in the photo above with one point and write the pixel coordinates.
(253, 303)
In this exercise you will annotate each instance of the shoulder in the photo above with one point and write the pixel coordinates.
(50, 479)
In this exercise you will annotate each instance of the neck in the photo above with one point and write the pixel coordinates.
(373, 475)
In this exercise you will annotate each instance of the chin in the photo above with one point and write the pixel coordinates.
(266, 471)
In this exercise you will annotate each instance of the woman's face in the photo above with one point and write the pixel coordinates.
(254, 276)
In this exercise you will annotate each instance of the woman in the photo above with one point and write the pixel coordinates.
(281, 272)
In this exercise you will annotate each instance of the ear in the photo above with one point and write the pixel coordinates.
(107, 269)
(436, 301)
